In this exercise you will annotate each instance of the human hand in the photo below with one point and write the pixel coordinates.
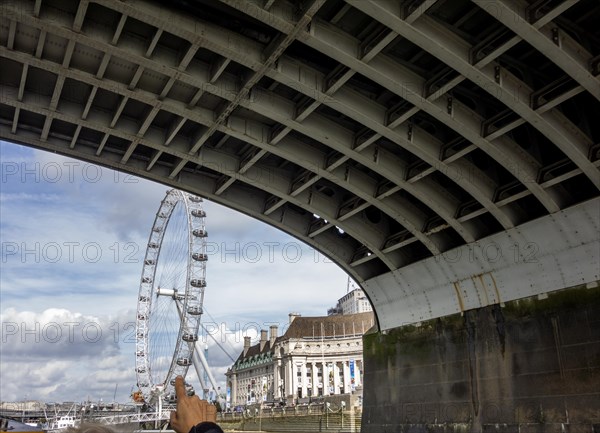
(190, 410)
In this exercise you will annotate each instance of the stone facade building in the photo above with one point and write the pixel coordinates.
(316, 356)
(352, 302)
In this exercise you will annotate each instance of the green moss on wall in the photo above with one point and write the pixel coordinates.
(418, 340)
(560, 300)
(422, 339)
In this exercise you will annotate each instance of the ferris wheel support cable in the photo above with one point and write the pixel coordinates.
(214, 339)
(219, 344)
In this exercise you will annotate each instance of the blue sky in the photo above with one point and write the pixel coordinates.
(73, 239)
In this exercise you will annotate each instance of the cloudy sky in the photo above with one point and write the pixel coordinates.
(73, 238)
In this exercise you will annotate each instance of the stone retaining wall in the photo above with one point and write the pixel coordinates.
(531, 365)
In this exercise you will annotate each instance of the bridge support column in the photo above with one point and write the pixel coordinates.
(530, 365)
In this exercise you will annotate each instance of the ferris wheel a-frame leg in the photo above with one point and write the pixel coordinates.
(199, 373)
(199, 358)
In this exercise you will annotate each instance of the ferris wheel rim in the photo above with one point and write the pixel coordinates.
(189, 303)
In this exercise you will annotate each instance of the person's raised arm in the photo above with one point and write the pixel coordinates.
(193, 415)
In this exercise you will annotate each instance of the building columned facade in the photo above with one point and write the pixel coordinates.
(316, 356)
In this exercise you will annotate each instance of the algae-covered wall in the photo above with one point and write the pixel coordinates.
(531, 365)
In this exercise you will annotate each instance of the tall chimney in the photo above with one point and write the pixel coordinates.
(273, 335)
(246, 345)
(263, 339)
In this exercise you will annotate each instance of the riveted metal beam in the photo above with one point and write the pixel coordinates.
(448, 47)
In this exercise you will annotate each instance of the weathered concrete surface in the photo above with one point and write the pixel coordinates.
(531, 365)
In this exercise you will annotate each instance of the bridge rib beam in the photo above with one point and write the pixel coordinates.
(249, 53)
(271, 53)
(479, 63)
(391, 75)
(227, 167)
(432, 195)
(335, 247)
(352, 105)
(289, 148)
(559, 48)
(499, 83)
(462, 120)
(276, 184)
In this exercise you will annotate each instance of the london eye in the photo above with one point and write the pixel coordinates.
(170, 298)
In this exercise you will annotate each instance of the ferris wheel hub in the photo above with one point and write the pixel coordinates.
(166, 292)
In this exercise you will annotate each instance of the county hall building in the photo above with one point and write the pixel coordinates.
(315, 356)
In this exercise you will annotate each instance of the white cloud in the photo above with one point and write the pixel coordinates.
(55, 334)
(55, 354)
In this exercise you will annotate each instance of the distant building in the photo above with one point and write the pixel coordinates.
(316, 356)
(351, 303)
(26, 405)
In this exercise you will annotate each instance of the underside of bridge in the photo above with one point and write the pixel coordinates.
(444, 153)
